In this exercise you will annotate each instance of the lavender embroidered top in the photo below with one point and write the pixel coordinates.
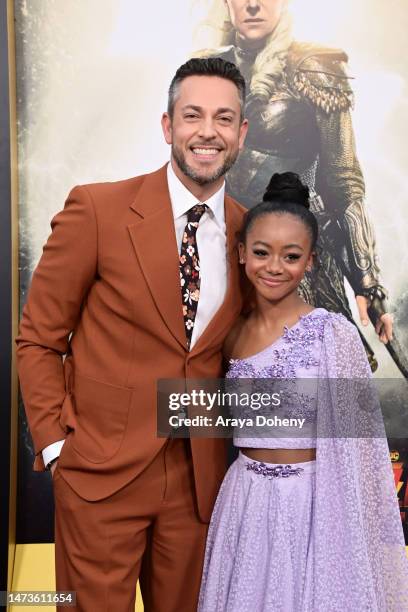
(295, 355)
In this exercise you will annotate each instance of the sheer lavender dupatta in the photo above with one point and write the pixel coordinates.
(359, 545)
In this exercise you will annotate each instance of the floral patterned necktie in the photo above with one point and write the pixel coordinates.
(190, 269)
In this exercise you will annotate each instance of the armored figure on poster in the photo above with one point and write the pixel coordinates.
(298, 107)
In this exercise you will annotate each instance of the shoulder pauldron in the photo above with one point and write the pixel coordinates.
(320, 75)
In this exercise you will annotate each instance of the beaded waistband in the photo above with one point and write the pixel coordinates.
(279, 471)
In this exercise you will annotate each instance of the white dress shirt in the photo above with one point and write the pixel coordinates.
(211, 244)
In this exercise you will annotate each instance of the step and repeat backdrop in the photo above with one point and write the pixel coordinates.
(328, 99)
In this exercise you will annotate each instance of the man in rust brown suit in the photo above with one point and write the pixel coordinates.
(110, 293)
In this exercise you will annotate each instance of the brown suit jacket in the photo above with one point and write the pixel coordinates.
(106, 293)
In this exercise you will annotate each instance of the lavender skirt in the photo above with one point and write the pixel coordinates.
(259, 554)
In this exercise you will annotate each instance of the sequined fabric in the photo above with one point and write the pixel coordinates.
(296, 355)
(331, 539)
(260, 544)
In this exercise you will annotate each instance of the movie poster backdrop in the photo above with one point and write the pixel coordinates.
(328, 99)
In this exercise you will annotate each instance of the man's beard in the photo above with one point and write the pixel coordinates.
(201, 180)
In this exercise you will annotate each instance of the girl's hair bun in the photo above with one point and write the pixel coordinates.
(287, 188)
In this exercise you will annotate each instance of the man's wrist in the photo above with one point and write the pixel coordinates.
(51, 463)
(52, 450)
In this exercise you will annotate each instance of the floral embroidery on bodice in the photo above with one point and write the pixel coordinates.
(291, 359)
(298, 349)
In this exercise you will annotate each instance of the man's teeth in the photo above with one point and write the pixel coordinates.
(205, 151)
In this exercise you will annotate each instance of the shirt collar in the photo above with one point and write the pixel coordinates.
(182, 199)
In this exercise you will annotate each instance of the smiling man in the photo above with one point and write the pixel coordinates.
(205, 138)
(138, 281)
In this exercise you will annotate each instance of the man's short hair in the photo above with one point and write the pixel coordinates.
(207, 66)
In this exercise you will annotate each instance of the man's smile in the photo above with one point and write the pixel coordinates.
(205, 153)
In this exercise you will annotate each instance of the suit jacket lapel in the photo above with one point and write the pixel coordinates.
(154, 241)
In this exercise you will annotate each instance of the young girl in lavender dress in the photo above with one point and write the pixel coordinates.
(303, 524)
